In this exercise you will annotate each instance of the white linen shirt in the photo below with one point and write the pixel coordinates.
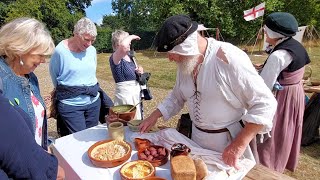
(229, 92)
(276, 62)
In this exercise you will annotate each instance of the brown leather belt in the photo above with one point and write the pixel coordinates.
(213, 131)
(218, 130)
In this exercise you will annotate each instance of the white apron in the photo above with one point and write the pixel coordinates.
(128, 92)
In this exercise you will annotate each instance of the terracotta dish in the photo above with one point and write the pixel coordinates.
(109, 153)
(179, 149)
(141, 143)
(137, 170)
(122, 112)
(156, 155)
(315, 82)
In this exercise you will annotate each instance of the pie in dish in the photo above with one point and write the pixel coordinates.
(137, 170)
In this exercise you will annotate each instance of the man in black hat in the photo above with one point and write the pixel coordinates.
(221, 88)
(284, 67)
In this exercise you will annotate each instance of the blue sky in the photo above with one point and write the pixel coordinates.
(98, 9)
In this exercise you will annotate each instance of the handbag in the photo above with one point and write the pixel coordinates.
(143, 78)
(146, 94)
(143, 81)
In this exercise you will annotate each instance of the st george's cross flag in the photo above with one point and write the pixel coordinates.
(255, 12)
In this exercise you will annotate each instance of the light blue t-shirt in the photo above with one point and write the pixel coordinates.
(74, 69)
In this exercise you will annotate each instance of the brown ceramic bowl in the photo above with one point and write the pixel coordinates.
(315, 82)
(106, 160)
(121, 112)
(141, 143)
(142, 170)
(156, 155)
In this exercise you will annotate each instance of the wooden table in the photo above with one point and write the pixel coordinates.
(311, 89)
(262, 172)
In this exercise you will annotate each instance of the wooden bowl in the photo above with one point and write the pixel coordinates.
(156, 155)
(142, 170)
(141, 143)
(121, 112)
(134, 125)
(315, 82)
(107, 160)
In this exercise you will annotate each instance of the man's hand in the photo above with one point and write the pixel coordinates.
(150, 121)
(232, 154)
(235, 150)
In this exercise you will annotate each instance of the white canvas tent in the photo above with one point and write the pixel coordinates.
(304, 33)
(204, 32)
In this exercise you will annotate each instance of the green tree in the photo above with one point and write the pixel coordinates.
(103, 41)
(54, 14)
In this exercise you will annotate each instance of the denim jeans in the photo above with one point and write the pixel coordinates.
(72, 119)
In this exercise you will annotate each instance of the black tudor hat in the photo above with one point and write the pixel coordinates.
(174, 31)
(282, 23)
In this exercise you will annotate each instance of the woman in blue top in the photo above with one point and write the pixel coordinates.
(124, 70)
(24, 45)
(73, 72)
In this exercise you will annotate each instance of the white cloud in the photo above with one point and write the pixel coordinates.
(99, 1)
(99, 21)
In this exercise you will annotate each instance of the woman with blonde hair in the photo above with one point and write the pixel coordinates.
(25, 43)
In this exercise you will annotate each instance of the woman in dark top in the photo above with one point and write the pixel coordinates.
(124, 70)
(20, 156)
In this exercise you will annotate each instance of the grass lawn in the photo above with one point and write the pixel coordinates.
(163, 73)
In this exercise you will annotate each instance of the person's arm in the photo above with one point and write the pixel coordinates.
(123, 48)
(170, 106)
(234, 151)
(253, 94)
(54, 67)
(276, 62)
(20, 156)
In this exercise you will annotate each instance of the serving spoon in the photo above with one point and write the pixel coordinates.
(134, 106)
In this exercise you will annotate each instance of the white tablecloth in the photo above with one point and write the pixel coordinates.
(71, 152)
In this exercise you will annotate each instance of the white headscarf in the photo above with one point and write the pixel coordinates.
(189, 47)
(272, 34)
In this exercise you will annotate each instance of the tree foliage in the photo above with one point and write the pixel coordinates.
(144, 17)
(148, 15)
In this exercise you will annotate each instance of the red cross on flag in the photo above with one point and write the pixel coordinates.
(254, 13)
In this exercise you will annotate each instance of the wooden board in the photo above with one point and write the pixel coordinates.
(312, 89)
(262, 172)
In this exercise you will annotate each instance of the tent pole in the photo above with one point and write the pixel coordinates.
(257, 37)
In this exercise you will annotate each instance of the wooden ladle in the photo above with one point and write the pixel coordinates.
(134, 106)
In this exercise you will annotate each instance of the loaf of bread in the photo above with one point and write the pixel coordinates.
(201, 168)
(183, 168)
